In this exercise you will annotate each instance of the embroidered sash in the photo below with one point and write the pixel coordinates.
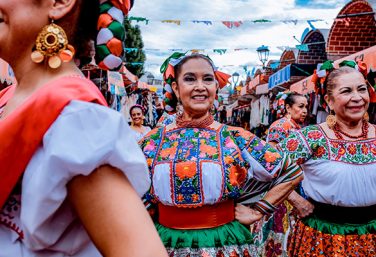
(22, 131)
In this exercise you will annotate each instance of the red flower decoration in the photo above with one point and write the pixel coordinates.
(320, 151)
(352, 149)
(292, 145)
(364, 149)
(314, 134)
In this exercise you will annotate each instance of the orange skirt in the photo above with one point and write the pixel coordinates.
(351, 240)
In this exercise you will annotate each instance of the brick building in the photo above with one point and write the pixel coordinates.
(316, 41)
(353, 30)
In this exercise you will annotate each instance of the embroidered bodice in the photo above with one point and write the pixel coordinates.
(192, 167)
(338, 172)
(280, 129)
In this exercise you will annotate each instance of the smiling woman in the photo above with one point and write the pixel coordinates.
(339, 162)
(200, 168)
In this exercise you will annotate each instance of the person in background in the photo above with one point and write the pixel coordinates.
(200, 168)
(137, 115)
(272, 233)
(71, 174)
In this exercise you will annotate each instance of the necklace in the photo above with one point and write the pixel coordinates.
(193, 123)
(295, 124)
(337, 131)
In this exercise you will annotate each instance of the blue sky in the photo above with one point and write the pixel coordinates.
(250, 35)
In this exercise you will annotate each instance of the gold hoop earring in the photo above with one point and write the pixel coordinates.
(331, 120)
(52, 42)
(366, 116)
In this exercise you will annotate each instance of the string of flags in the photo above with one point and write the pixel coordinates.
(220, 51)
(228, 24)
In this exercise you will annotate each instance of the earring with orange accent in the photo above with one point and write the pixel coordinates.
(331, 120)
(52, 45)
(366, 116)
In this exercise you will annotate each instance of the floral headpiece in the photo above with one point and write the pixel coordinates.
(137, 106)
(111, 33)
(168, 71)
(319, 78)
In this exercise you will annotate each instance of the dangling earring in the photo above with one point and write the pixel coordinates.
(288, 116)
(52, 42)
(331, 120)
(179, 108)
(366, 116)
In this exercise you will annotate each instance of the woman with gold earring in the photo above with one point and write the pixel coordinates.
(339, 162)
(71, 174)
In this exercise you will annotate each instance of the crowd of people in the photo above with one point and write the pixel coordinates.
(77, 180)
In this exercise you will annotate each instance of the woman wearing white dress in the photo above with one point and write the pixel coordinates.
(137, 115)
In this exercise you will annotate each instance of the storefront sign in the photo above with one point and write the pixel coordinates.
(280, 77)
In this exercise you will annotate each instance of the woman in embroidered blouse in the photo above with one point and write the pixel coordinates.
(68, 163)
(339, 162)
(137, 115)
(200, 167)
(271, 233)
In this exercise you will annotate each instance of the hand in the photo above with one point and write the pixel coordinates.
(246, 215)
(301, 205)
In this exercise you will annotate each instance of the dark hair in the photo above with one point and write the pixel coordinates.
(331, 80)
(80, 26)
(177, 68)
(291, 98)
(135, 107)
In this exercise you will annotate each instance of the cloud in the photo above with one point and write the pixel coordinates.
(188, 35)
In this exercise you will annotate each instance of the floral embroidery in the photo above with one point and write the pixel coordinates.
(186, 149)
(292, 144)
(311, 142)
(280, 129)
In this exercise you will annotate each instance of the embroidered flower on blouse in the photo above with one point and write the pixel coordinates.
(292, 144)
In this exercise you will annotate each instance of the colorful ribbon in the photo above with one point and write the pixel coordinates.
(111, 33)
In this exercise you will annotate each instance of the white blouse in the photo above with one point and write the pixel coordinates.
(37, 220)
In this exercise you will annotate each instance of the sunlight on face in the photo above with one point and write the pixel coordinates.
(350, 97)
(196, 86)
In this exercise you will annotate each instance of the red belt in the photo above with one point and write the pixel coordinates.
(207, 216)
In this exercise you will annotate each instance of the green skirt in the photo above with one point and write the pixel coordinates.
(232, 239)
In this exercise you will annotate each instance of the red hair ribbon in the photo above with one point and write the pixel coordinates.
(222, 78)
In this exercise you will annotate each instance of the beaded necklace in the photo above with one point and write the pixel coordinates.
(180, 123)
(338, 132)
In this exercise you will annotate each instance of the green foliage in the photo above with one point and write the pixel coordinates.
(134, 40)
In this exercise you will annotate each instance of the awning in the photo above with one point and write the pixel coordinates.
(290, 73)
(262, 89)
(254, 82)
(304, 86)
(6, 73)
(368, 56)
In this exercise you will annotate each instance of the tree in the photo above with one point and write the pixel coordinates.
(134, 40)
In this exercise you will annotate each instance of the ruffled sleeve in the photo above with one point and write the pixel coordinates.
(84, 137)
